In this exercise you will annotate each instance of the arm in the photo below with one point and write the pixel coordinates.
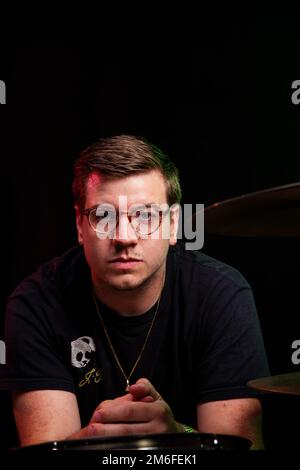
(233, 354)
(52, 415)
(238, 417)
(45, 415)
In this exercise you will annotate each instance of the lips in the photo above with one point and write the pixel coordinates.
(125, 263)
(122, 259)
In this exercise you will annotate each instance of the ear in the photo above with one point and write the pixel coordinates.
(174, 223)
(79, 221)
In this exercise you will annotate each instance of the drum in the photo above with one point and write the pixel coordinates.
(155, 442)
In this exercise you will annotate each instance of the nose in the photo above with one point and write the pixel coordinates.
(125, 233)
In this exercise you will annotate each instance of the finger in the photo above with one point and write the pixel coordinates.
(117, 429)
(147, 399)
(123, 398)
(143, 388)
(108, 403)
(105, 403)
(134, 412)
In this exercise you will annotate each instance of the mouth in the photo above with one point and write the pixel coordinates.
(125, 262)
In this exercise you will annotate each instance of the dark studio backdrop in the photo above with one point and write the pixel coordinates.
(218, 103)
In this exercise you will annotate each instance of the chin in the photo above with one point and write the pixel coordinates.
(127, 284)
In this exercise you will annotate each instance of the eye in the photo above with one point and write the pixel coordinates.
(101, 214)
(144, 216)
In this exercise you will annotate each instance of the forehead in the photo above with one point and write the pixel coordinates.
(146, 187)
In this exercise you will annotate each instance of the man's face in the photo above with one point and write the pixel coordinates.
(126, 260)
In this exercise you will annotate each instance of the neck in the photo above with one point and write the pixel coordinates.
(131, 302)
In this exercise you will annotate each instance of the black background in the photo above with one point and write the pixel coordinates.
(217, 100)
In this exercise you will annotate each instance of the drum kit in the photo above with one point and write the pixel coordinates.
(269, 213)
(272, 212)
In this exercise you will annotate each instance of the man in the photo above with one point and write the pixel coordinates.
(129, 333)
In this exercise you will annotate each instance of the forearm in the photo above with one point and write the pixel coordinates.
(235, 417)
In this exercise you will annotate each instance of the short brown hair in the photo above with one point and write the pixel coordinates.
(121, 156)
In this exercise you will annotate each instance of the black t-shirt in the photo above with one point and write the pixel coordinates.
(205, 343)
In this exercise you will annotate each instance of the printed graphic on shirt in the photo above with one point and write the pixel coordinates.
(82, 351)
(93, 375)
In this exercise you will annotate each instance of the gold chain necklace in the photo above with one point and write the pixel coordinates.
(127, 377)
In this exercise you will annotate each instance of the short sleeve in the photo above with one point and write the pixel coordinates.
(35, 350)
(230, 349)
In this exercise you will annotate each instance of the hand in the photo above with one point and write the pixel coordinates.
(140, 411)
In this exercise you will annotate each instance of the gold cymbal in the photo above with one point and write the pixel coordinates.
(283, 383)
(273, 212)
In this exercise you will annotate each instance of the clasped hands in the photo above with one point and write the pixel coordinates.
(141, 411)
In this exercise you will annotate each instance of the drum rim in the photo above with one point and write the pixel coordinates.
(157, 438)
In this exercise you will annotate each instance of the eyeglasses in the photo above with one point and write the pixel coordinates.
(104, 219)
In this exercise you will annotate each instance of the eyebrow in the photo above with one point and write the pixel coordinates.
(135, 206)
(148, 205)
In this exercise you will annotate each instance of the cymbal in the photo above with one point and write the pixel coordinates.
(273, 212)
(284, 383)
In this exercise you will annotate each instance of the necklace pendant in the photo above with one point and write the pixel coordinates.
(127, 386)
